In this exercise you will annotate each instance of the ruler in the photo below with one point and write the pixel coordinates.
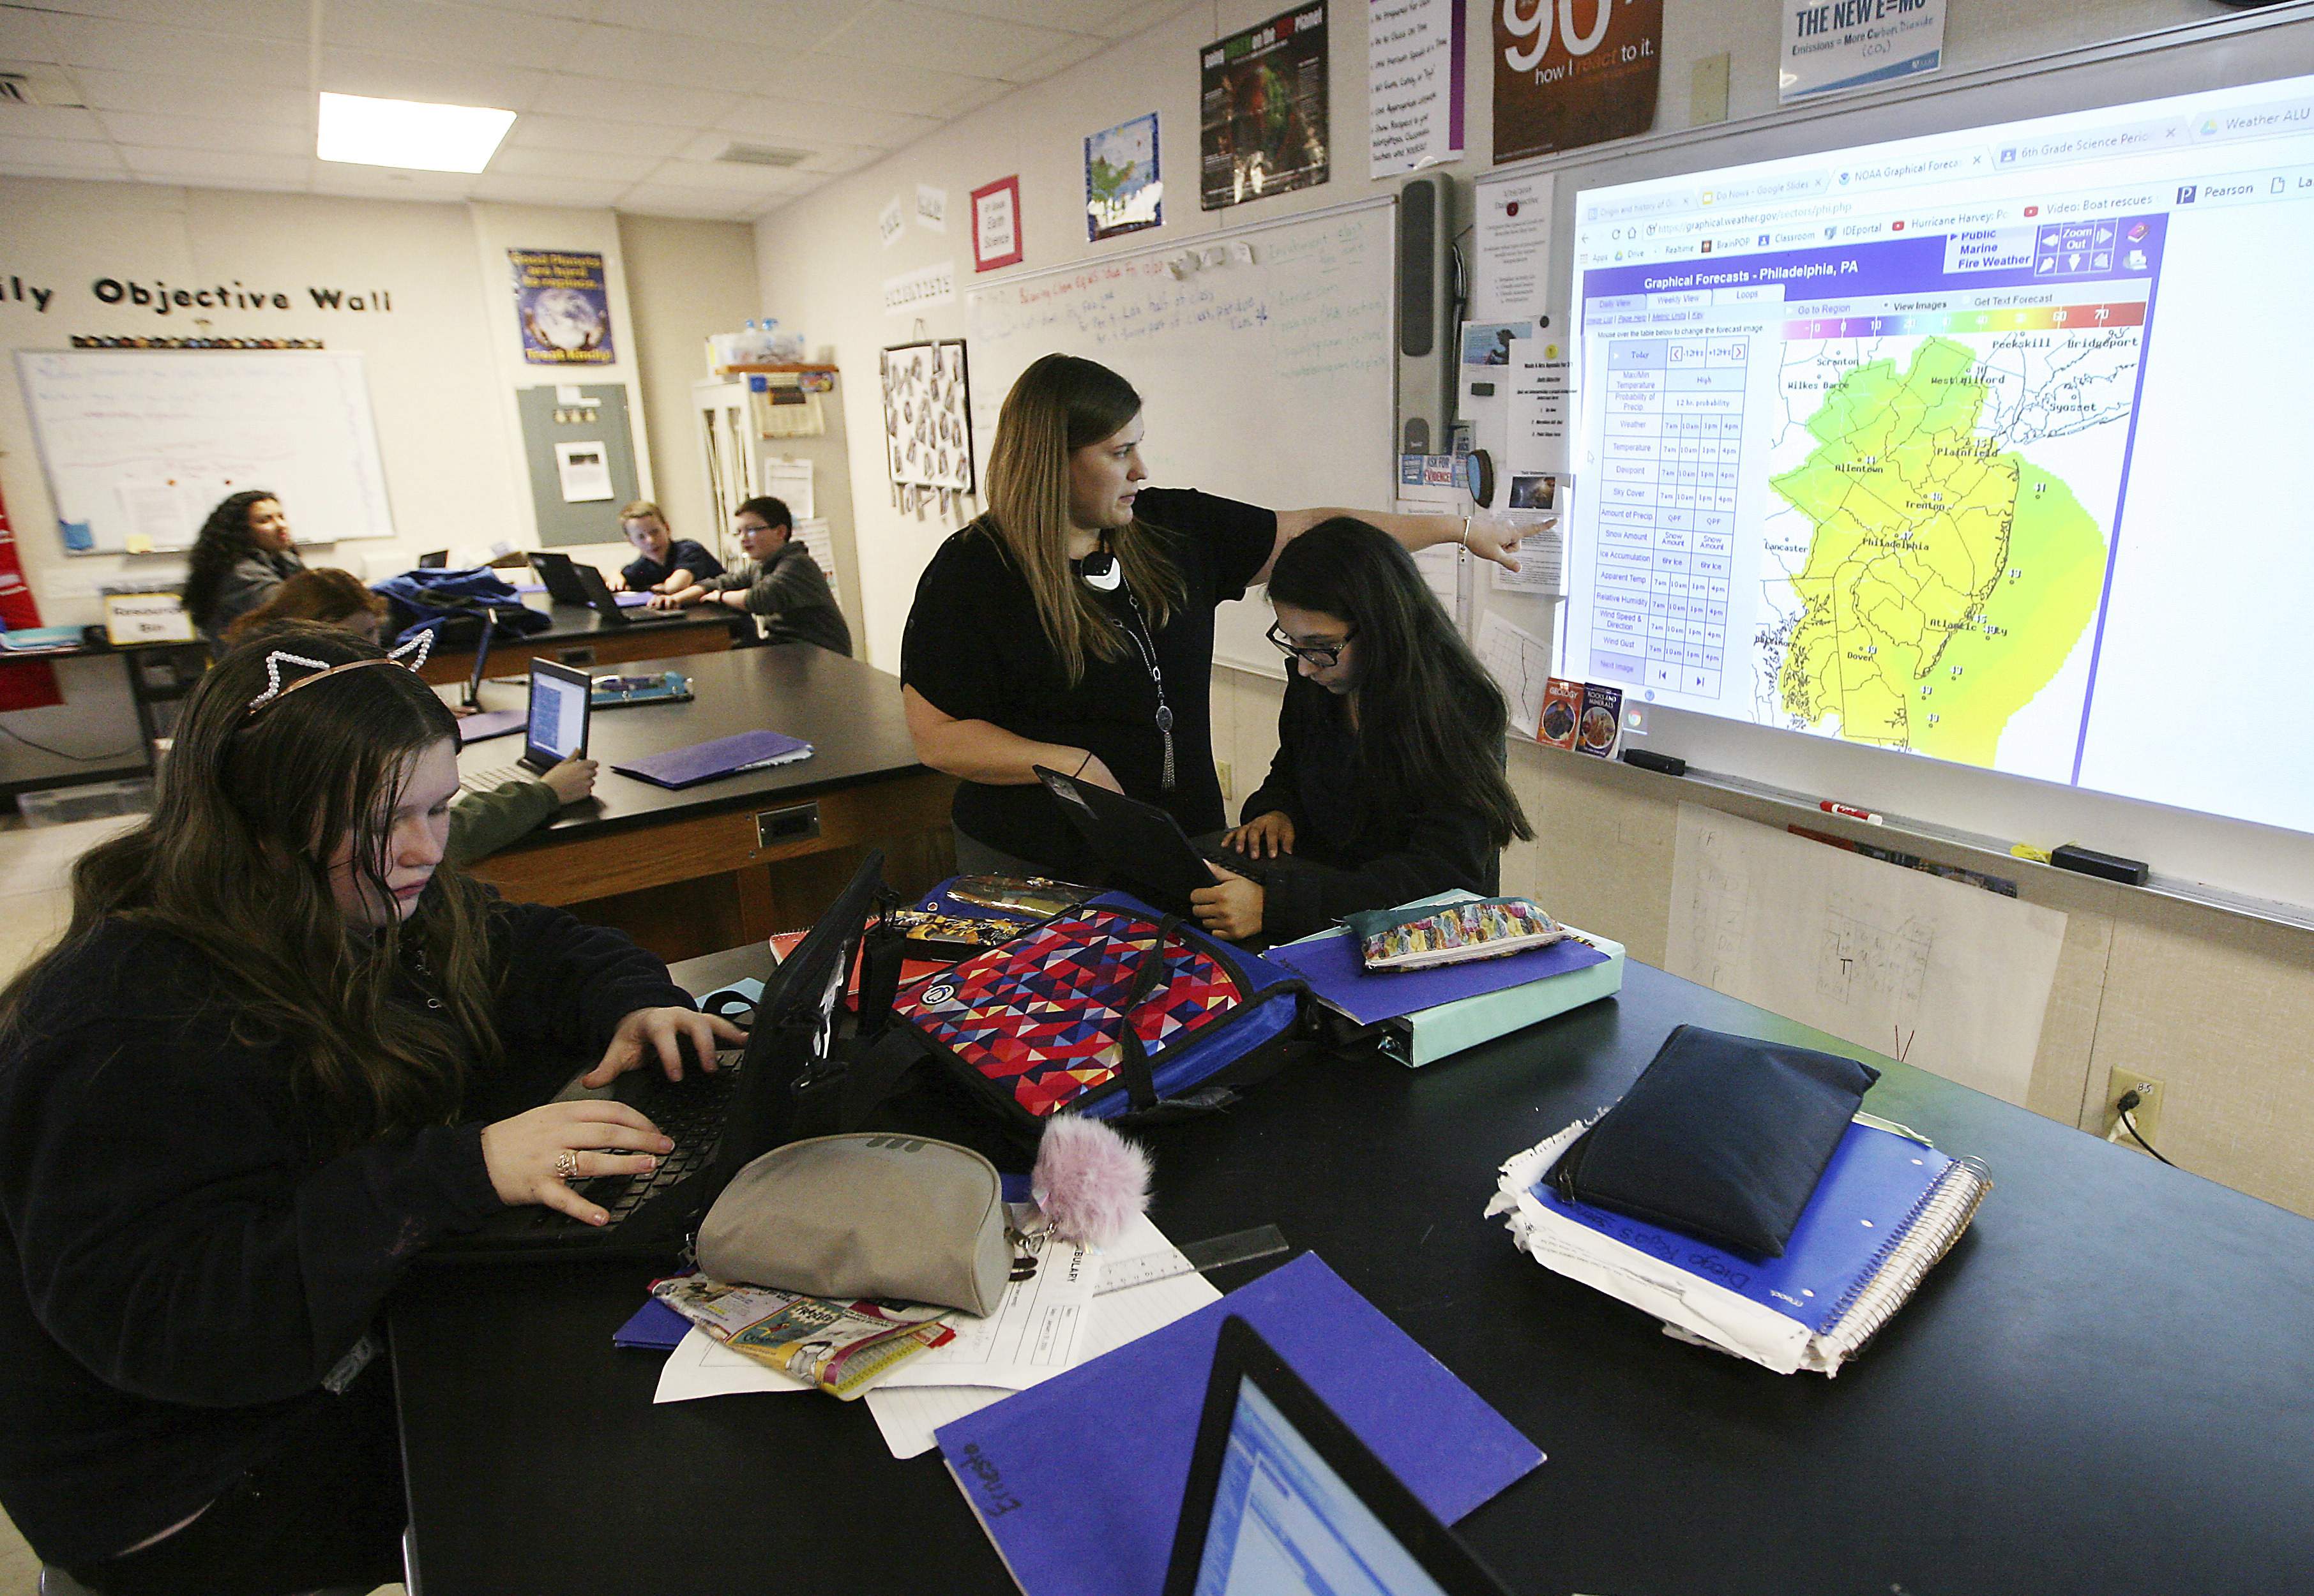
(1240, 1247)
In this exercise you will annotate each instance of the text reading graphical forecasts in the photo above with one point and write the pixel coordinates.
(1669, 468)
(1932, 572)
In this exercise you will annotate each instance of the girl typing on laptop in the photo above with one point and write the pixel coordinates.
(281, 1049)
(1390, 766)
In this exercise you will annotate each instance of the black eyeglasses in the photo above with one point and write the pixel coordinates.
(1325, 655)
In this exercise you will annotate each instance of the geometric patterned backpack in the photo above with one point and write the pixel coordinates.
(1079, 1013)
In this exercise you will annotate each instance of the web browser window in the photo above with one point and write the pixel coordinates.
(1982, 445)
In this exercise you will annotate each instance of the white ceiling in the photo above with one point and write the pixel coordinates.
(623, 103)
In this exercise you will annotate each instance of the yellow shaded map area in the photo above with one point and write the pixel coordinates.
(1947, 581)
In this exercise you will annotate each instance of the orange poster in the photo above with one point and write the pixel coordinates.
(1569, 72)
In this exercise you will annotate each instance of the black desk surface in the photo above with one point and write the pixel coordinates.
(2107, 1387)
(847, 709)
(575, 623)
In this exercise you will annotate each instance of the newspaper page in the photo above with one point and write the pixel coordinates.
(841, 1347)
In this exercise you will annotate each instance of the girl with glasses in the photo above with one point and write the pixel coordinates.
(1072, 627)
(1389, 782)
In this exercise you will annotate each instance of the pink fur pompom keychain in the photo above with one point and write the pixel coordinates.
(1089, 1182)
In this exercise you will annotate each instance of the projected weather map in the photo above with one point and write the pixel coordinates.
(1943, 446)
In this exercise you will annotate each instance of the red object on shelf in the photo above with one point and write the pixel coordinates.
(24, 683)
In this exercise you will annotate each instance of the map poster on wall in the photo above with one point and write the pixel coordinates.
(1832, 48)
(1262, 129)
(564, 306)
(928, 416)
(1123, 192)
(1574, 71)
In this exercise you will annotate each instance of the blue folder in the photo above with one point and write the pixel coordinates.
(1864, 1203)
(724, 756)
(1079, 1480)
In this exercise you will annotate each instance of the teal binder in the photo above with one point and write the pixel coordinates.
(1429, 1035)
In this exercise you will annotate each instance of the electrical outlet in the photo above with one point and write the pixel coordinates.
(2146, 1116)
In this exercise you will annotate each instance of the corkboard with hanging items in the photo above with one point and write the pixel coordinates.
(928, 424)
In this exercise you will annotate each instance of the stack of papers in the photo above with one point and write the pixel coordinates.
(1887, 1206)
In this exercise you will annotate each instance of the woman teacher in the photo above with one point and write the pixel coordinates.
(1072, 627)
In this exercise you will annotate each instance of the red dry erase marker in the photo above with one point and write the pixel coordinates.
(1851, 810)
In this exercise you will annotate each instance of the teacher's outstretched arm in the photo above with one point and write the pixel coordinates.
(984, 751)
(1487, 534)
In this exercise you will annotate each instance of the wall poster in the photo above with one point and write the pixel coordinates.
(564, 305)
(997, 225)
(1830, 49)
(1123, 192)
(928, 416)
(1263, 125)
(1569, 72)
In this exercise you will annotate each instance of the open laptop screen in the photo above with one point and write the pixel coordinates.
(559, 701)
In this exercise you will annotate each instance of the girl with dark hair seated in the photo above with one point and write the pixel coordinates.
(281, 1049)
(242, 553)
(1390, 765)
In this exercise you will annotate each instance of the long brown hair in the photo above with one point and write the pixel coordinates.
(1059, 405)
(235, 860)
(326, 594)
(225, 538)
(1430, 719)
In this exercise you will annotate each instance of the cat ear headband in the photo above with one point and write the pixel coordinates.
(275, 691)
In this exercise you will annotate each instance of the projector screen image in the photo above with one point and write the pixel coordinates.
(1991, 446)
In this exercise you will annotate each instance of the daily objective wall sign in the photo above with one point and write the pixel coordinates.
(928, 418)
(1262, 129)
(1569, 72)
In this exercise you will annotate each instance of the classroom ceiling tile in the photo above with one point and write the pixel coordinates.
(884, 86)
(576, 133)
(810, 121)
(1140, 18)
(572, 165)
(57, 156)
(1073, 48)
(436, 83)
(181, 53)
(987, 94)
(204, 133)
(661, 200)
(49, 121)
(24, 36)
(509, 190)
(941, 40)
(423, 31)
(843, 158)
(606, 100)
(730, 177)
(574, 11)
(226, 167)
(785, 23)
(1078, 16)
(379, 182)
(635, 56)
(152, 92)
(262, 19)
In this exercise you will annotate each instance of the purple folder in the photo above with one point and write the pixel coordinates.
(725, 756)
(632, 601)
(1079, 1480)
(1336, 973)
(491, 723)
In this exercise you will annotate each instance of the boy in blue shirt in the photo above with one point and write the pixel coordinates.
(664, 563)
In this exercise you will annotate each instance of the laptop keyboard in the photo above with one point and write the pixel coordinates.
(1237, 864)
(488, 781)
(690, 1113)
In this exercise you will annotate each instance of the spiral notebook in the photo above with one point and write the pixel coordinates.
(1886, 1208)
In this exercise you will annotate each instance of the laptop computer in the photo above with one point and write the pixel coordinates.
(1146, 847)
(720, 1120)
(606, 602)
(562, 707)
(1283, 1497)
(556, 571)
(434, 560)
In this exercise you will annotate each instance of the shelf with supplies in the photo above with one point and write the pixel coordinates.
(744, 370)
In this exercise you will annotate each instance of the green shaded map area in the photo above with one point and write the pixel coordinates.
(1947, 581)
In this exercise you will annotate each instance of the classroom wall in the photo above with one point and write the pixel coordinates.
(443, 362)
(2215, 1004)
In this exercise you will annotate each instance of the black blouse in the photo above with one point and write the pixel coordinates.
(1380, 848)
(975, 650)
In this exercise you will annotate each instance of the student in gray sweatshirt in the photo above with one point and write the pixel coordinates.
(778, 582)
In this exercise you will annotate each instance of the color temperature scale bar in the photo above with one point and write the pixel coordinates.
(2034, 319)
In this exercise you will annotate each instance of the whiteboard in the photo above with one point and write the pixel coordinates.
(1273, 381)
(2188, 852)
(140, 444)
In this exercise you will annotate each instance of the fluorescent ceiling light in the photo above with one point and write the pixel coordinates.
(410, 133)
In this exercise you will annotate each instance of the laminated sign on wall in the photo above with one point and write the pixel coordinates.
(1569, 72)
